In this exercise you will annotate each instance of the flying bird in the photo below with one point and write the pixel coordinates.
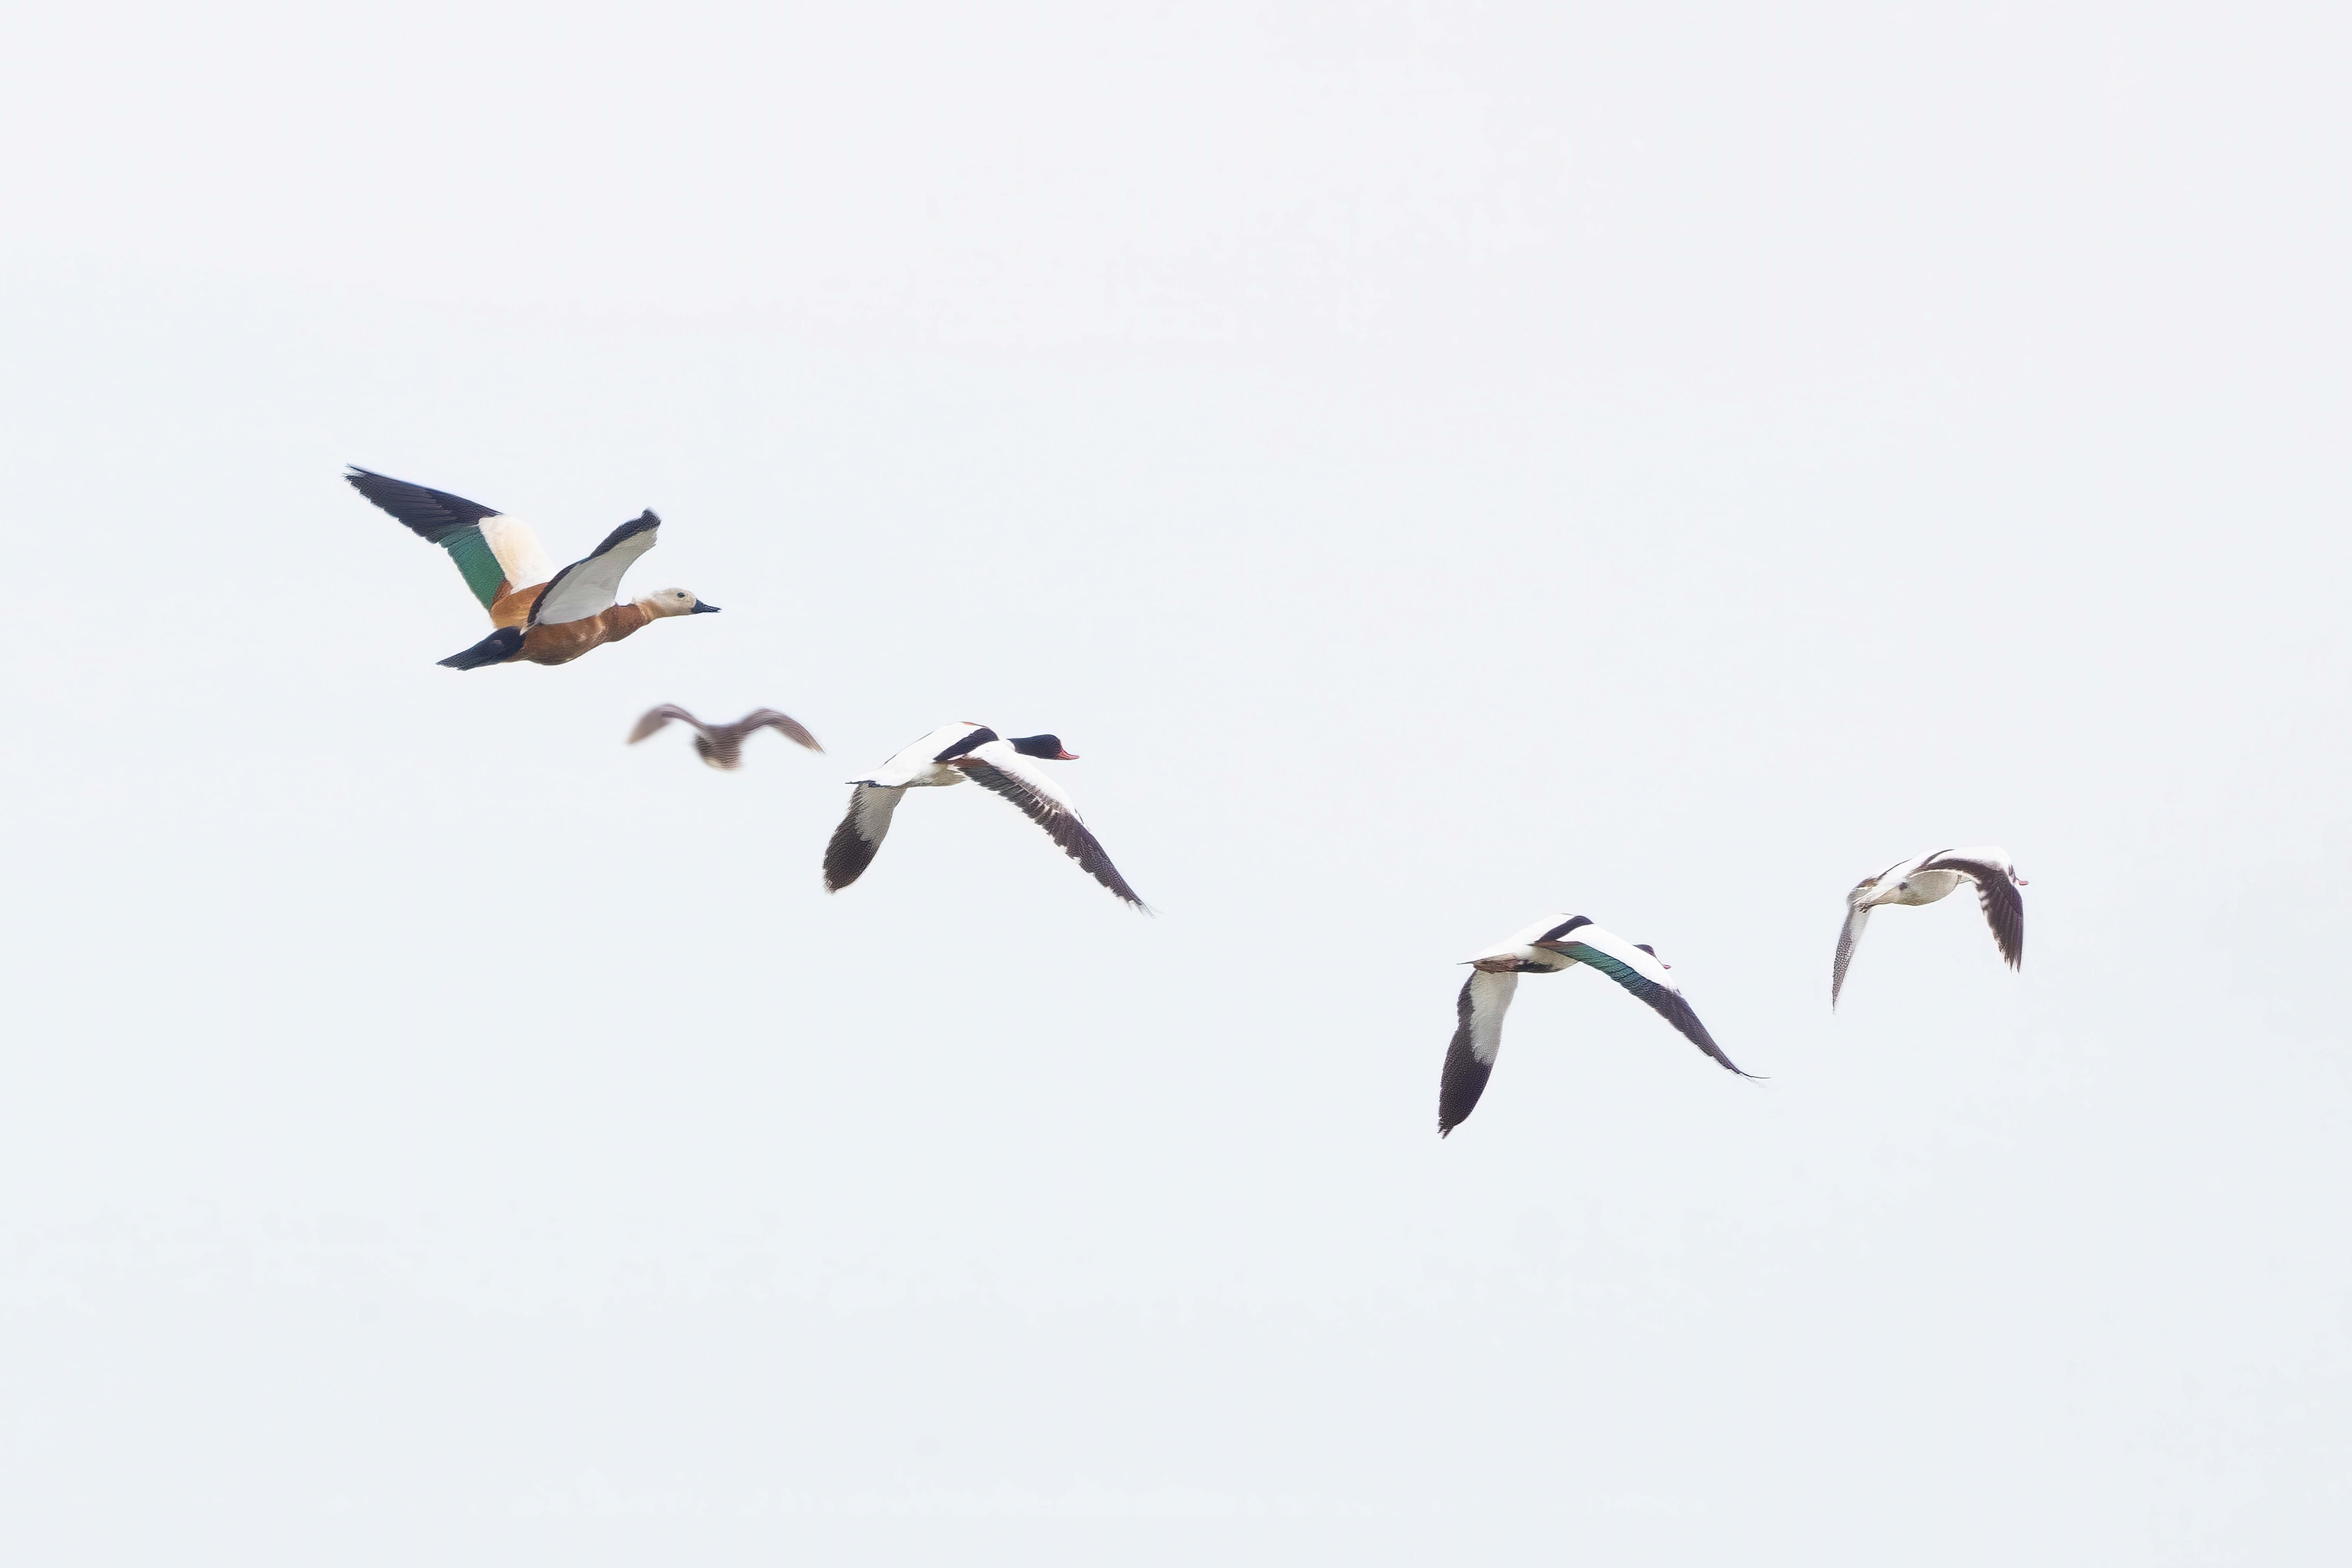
(721, 745)
(948, 755)
(1924, 879)
(542, 616)
(1553, 944)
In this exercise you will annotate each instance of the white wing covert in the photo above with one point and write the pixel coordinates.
(913, 763)
(1477, 1038)
(1857, 915)
(855, 842)
(592, 586)
(521, 555)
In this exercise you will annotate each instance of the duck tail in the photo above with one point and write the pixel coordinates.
(495, 648)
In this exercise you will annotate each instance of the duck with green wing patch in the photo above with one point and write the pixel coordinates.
(1551, 944)
(542, 615)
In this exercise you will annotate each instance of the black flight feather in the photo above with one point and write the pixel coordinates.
(1060, 825)
(2004, 906)
(433, 514)
(1465, 1075)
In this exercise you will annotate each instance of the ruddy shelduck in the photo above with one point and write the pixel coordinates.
(543, 616)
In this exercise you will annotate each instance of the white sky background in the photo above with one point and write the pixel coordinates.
(1436, 464)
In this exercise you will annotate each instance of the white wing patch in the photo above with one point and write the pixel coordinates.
(1517, 943)
(871, 810)
(518, 549)
(1849, 938)
(590, 587)
(1490, 998)
(855, 842)
(1477, 1037)
(914, 764)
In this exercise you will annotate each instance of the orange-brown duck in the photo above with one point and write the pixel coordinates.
(543, 616)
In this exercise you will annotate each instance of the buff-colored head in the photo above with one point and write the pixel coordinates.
(676, 601)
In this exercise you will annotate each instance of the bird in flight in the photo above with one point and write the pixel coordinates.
(1922, 879)
(721, 745)
(948, 755)
(1553, 944)
(542, 615)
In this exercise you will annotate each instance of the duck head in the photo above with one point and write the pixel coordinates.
(676, 601)
(1047, 746)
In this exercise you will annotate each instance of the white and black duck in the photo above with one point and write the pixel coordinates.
(949, 755)
(1924, 879)
(1551, 944)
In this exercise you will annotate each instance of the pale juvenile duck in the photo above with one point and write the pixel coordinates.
(543, 616)
(948, 755)
(1922, 879)
(1551, 944)
(721, 745)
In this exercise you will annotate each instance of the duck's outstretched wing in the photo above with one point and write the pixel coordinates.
(853, 842)
(1640, 971)
(656, 719)
(783, 724)
(2004, 906)
(453, 522)
(1849, 938)
(590, 586)
(1477, 1037)
(995, 766)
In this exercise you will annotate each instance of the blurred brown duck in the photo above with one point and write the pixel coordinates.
(721, 745)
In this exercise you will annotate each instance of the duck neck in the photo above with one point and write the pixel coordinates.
(623, 619)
